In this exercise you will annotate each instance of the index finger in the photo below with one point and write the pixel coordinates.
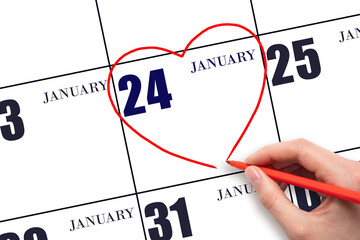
(312, 157)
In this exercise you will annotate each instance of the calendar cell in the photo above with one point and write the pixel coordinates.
(71, 168)
(199, 89)
(278, 15)
(168, 24)
(207, 211)
(112, 219)
(60, 140)
(316, 108)
(42, 39)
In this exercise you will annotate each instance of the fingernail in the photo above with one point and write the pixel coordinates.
(253, 176)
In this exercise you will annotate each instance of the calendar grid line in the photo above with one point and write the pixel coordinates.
(119, 197)
(309, 24)
(121, 63)
(189, 49)
(53, 77)
(66, 208)
(116, 187)
(179, 51)
(269, 90)
(290, 29)
(267, 81)
(348, 149)
(190, 182)
(140, 192)
(121, 122)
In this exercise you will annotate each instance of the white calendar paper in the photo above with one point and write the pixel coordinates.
(71, 169)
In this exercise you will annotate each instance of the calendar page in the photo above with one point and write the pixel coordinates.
(117, 117)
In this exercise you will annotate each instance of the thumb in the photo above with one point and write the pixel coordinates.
(274, 199)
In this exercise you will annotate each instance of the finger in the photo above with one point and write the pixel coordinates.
(289, 169)
(301, 171)
(273, 199)
(310, 156)
(281, 165)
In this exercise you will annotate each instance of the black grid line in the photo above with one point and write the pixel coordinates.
(267, 81)
(178, 51)
(109, 66)
(268, 87)
(53, 77)
(310, 24)
(119, 197)
(65, 208)
(142, 192)
(346, 150)
(122, 125)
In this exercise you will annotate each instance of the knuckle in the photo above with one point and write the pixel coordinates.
(301, 143)
(300, 147)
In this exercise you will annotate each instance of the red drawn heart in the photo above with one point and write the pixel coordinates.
(181, 56)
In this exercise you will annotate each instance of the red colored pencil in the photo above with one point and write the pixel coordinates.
(313, 185)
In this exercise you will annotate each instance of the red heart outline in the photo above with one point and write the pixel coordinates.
(181, 56)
